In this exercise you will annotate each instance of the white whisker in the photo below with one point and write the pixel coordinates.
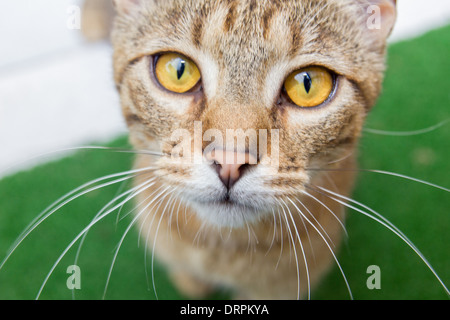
(295, 251)
(120, 209)
(181, 200)
(329, 247)
(172, 210)
(154, 246)
(154, 209)
(129, 194)
(328, 209)
(132, 223)
(274, 232)
(342, 159)
(44, 215)
(307, 232)
(153, 217)
(32, 224)
(318, 223)
(143, 187)
(156, 201)
(407, 133)
(385, 173)
(69, 149)
(387, 224)
(281, 237)
(196, 239)
(249, 240)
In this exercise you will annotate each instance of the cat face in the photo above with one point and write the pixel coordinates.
(192, 73)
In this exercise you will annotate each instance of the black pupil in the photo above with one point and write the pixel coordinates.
(307, 82)
(181, 68)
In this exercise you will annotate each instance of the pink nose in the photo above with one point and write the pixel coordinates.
(230, 165)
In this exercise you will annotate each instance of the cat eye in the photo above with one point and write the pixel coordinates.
(176, 72)
(309, 87)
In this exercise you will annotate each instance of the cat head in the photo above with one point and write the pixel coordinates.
(243, 96)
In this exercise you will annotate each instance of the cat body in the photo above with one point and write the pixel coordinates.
(270, 232)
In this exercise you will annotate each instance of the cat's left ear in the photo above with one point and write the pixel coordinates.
(380, 18)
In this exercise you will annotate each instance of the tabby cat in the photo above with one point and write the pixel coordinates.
(305, 73)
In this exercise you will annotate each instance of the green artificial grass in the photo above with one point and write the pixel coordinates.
(416, 95)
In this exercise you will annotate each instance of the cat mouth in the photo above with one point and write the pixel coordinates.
(226, 201)
(229, 210)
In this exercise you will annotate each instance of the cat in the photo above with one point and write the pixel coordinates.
(311, 70)
(292, 83)
(245, 51)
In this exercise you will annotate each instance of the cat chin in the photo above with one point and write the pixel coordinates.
(227, 214)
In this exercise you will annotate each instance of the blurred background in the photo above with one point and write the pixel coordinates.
(57, 92)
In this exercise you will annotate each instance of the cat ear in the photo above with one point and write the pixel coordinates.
(125, 6)
(381, 16)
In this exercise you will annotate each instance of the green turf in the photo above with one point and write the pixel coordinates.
(416, 95)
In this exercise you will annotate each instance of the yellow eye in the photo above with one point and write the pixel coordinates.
(176, 73)
(309, 87)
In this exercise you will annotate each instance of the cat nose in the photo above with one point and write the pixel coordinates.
(230, 165)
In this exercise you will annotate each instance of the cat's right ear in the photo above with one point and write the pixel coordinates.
(380, 18)
(126, 6)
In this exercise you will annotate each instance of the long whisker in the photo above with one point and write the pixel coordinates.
(248, 239)
(153, 217)
(274, 232)
(307, 235)
(181, 200)
(385, 173)
(69, 149)
(140, 203)
(329, 210)
(281, 237)
(88, 227)
(153, 209)
(162, 196)
(288, 229)
(132, 223)
(157, 200)
(67, 195)
(172, 210)
(407, 133)
(328, 245)
(121, 208)
(44, 215)
(295, 250)
(387, 224)
(130, 195)
(196, 239)
(154, 246)
(342, 158)
(318, 223)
